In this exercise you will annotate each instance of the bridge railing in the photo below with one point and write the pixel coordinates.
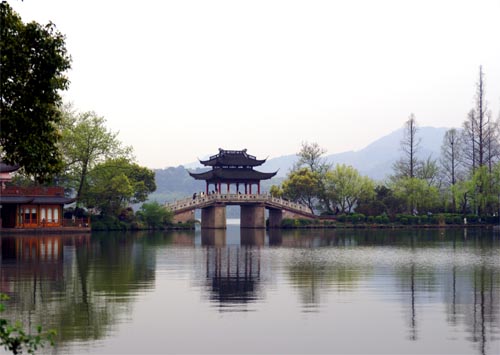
(199, 201)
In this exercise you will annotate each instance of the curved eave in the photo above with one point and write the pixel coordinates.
(5, 168)
(232, 175)
(53, 199)
(230, 161)
(199, 176)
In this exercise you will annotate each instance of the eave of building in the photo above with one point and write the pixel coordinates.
(232, 175)
(5, 168)
(36, 200)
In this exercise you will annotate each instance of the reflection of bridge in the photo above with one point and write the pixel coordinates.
(213, 210)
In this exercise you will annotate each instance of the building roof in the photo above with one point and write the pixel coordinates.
(232, 174)
(232, 158)
(6, 168)
(15, 199)
(56, 200)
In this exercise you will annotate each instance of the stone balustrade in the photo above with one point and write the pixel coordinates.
(237, 199)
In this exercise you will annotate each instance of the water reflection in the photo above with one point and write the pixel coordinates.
(86, 287)
(233, 272)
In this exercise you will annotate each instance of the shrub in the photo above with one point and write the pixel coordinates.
(472, 218)
(287, 223)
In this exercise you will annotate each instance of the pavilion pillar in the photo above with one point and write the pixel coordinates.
(246, 188)
(250, 188)
(258, 187)
(227, 187)
(237, 187)
(206, 188)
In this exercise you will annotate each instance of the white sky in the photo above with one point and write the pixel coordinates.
(179, 79)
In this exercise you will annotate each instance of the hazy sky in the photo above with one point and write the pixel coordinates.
(179, 79)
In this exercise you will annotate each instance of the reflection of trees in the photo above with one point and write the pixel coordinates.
(97, 281)
(481, 314)
(470, 293)
(313, 276)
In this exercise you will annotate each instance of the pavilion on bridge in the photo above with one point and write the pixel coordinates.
(232, 167)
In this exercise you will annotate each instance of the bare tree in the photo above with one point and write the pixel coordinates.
(450, 156)
(478, 135)
(469, 156)
(492, 146)
(407, 165)
(451, 166)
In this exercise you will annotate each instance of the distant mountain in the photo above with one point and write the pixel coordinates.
(375, 161)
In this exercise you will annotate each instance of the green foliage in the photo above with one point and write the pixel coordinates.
(416, 193)
(287, 223)
(85, 143)
(302, 185)
(382, 219)
(115, 183)
(344, 187)
(33, 60)
(14, 338)
(155, 215)
(276, 191)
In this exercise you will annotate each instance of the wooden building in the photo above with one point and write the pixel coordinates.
(232, 167)
(29, 207)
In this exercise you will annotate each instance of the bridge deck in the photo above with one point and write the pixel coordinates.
(239, 199)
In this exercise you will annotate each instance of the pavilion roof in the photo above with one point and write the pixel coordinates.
(232, 174)
(232, 158)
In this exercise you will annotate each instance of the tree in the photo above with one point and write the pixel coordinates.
(469, 155)
(85, 143)
(417, 194)
(450, 161)
(462, 193)
(480, 133)
(428, 170)
(155, 215)
(407, 165)
(450, 156)
(345, 187)
(276, 191)
(33, 61)
(302, 185)
(310, 156)
(115, 183)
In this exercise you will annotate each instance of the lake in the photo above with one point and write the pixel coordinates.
(255, 291)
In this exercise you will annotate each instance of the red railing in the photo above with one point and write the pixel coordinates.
(33, 191)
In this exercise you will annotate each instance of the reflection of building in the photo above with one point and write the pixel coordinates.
(234, 274)
(29, 207)
(40, 256)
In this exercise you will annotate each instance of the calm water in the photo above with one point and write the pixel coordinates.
(259, 292)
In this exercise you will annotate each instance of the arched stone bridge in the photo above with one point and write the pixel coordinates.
(213, 210)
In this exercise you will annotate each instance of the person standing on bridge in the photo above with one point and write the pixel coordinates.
(194, 196)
